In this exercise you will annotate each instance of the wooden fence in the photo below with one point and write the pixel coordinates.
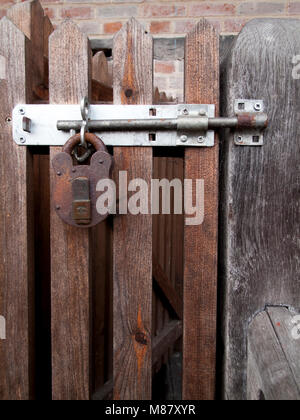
(95, 314)
(101, 280)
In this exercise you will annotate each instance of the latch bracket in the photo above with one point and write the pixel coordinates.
(139, 125)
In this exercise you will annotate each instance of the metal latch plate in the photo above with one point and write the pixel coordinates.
(42, 130)
(248, 137)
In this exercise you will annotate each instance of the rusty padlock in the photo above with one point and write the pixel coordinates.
(74, 192)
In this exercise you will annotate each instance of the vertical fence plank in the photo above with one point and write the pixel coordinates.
(69, 81)
(16, 233)
(132, 270)
(29, 18)
(200, 242)
(260, 191)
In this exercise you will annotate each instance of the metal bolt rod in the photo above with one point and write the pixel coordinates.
(194, 123)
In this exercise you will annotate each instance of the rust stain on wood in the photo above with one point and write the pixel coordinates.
(140, 343)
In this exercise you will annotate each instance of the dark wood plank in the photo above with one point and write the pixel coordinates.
(171, 332)
(101, 92)
(260, 199)
(132, 267)
(48, 29)
(167, 288)
(69, 81)
(269, 374)
(200, 241)
(102, 267)
(16, 233)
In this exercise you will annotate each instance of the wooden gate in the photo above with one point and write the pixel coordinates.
(129, 275)
(99, 313)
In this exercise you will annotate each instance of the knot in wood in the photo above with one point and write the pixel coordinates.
(128, 93)
(141, 338)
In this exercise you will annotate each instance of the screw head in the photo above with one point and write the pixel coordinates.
(8, 119)
(185, 111)
(183, 139)
(201, 139)
(22, 140)
(101, 161)
(21, 111)
(202, 112)
(58, 173)
(57, 207)
(240, 139)
(257, 106)
(73, 170)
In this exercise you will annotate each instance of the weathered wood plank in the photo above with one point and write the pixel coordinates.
(200, 241)
(285, 325)
(69, 81)
(100, 68)
(260, 215)
(16, 233)
(132, 243)
(268, 366)
(29, 18)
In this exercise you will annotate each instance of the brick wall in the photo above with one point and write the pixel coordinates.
(102, 18)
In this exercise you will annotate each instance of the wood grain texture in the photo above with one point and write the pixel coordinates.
(29, 18)
(163, 282)
(260, 193)
(270, 375)
(132, 243)
(16, 233)
(69, 82)
(100, 69)
(102, 256)
(200, 242)
(48, 29)
(285, 325)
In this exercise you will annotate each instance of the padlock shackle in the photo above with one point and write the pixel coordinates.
(89, 137)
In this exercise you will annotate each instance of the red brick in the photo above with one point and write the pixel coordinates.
(234, 25)
(212, 9)
(260, 9)
(294, 8)
(157, 27)
(2, 13)
(184, 26)
(164, 67)
(112, 27)
(163, 10)
(77, 12)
